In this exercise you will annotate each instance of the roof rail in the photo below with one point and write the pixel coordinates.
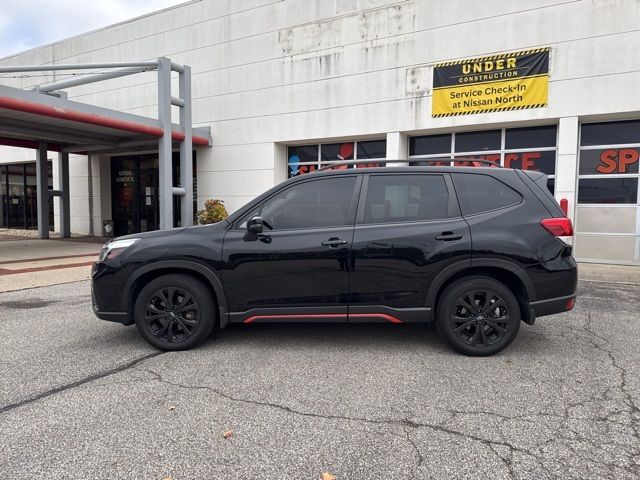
(476, 162)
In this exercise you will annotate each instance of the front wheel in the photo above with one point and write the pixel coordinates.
(478, 316)
(175, 312)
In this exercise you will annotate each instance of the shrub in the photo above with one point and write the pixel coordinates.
(214, 211)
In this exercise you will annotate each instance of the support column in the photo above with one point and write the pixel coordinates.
(42, 191)
(165, 187)
(186, 149)
(65, 203)
(397, 148)
(567, 163)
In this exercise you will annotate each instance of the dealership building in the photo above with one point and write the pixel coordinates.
(284, 87)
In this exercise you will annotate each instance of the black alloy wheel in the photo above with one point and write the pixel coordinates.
(478, 316)
(175, 312)
(172, 314)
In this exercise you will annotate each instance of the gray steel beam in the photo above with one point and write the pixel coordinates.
(186, 149)
(65, 201)
(165, 187)
(71, 66)
(98, 77)
(177, 68)
(178, 102)
(42, 193)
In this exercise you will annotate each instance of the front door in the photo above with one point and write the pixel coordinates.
(408, 229)
(298, 268)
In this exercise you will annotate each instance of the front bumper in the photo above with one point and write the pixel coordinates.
(119, 317)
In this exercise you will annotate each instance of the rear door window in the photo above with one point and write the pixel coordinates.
(482, 193)
(406, 198)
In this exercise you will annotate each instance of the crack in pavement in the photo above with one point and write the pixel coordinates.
(404, 423)
(416, 449)
(78, 383)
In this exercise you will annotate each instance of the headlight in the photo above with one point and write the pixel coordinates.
(112, 249)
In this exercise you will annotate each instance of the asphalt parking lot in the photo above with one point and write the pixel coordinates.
(82, 398)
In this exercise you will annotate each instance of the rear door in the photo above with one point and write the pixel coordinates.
(408, 229)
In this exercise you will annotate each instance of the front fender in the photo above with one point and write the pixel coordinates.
(206, 272)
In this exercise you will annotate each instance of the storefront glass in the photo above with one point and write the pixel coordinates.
(18, 192)
(309, 158)
(135, 205)
(608, 217)
(528, 148)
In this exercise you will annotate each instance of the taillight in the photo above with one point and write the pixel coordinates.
(570, 303)
(558, 227)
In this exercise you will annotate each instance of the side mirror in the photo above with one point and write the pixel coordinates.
(255, 225)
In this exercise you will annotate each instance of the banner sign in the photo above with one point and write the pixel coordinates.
(509, 81)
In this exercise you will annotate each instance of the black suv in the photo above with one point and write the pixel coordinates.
(476, 250)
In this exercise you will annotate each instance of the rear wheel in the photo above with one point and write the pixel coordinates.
(478, 316)
(175, 312)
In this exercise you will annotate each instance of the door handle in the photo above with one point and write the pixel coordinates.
(448, 236)
(334, 242)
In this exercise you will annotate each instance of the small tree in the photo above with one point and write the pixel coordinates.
(214, 211)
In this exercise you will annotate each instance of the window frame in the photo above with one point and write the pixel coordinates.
(319, 162)
(589, 176)
(351, 215)
(502, 151)
(453, 211)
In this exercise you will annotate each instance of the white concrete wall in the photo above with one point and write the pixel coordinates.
(267, 72)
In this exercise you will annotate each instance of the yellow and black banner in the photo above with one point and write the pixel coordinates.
(508, 81)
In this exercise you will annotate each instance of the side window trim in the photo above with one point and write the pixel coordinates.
(353, 203)
(454, 211)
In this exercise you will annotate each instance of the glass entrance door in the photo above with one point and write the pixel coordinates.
(135, 205)
(148, 194)
(124, 195)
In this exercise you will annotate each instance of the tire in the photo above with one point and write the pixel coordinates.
(478, 330)
(175, 312)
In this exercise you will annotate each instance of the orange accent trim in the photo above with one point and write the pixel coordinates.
(304, 315)
(390, 318)
(384, 316)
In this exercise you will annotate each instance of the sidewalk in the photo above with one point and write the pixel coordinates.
(596, 272)
(30, 263)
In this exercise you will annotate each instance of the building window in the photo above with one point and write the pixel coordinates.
(607, 214)
(608, 172)
(527, 148)
(303, 159)
(18, 195)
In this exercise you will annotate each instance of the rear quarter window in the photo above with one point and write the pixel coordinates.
(482, 193)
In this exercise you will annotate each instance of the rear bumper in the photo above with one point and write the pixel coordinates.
(553, 305)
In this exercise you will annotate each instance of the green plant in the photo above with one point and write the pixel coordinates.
(213, 212)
